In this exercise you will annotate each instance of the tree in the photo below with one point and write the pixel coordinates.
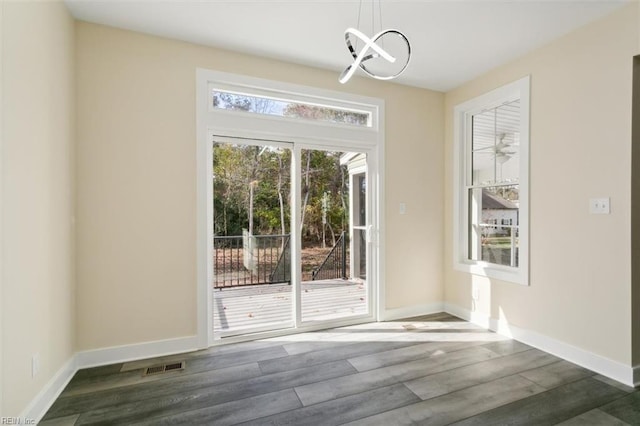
(252, 191)
(244, 186)
(319, 113)
(320, 176)
(245, 175)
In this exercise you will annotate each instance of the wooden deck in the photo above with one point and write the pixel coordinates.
(252, 308)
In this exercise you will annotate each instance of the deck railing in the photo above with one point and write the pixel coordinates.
(282, 271)
(249, 260)
(335, 264)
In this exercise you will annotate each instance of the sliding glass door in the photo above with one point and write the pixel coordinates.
(333, 256)
(252, 238)
(290, 239)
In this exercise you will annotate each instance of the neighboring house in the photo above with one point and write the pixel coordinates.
(498, 211)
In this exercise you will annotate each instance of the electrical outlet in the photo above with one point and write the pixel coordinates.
(403, 208)
(35, 365)
(599, 205)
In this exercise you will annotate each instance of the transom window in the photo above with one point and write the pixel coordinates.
(492, 183)
(287, 108)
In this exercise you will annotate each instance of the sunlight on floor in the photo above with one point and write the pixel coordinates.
(399, 331)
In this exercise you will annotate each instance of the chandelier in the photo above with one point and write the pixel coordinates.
(384, 56)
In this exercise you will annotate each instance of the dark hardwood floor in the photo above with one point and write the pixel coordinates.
(432, 370)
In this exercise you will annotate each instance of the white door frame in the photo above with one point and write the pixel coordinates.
(326, 136)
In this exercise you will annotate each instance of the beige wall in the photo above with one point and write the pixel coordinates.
(1, 210)
(580, 278)
(136, 262)
(38, 310)
(635, 210)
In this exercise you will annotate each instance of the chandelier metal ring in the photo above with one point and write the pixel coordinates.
(359, 58)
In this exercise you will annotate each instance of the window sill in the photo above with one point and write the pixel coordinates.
(502, 273)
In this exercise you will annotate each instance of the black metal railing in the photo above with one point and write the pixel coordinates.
(282, 272)
(250, 260)
(335, 264)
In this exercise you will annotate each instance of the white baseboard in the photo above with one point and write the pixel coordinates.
(47, 396)
(412, 311)
(605, 366)
(474, 317)
(98, 357)
(126, 353)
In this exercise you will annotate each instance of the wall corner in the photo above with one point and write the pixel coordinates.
(635, 214)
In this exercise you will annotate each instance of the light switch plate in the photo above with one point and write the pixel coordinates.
(403, 208)
(599, 205)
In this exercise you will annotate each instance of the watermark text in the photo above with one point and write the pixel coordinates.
(17, 421)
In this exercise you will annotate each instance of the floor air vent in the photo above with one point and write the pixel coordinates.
(164, 368)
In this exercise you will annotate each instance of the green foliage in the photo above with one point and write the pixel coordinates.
(238, 168)
(325, 175)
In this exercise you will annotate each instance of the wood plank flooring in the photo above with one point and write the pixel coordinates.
(432, 370)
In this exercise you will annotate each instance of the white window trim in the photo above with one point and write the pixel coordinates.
(304, 134)
(259, 126)
(519, 89)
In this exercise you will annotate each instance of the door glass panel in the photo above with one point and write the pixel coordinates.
(252, 256)
(333, 252)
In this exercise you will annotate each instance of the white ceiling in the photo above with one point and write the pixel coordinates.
(453, 41)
